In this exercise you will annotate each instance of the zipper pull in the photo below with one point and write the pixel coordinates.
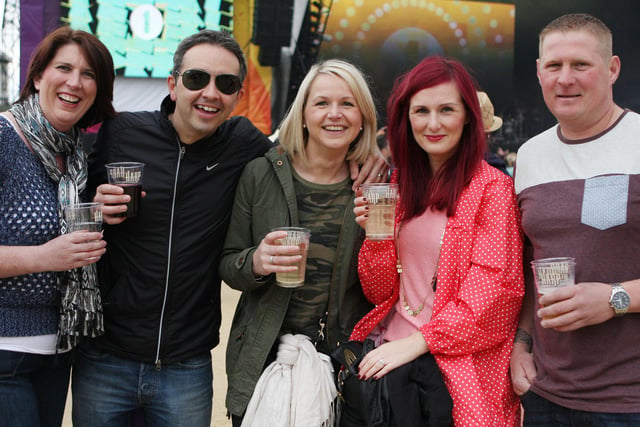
(158, 365)
(322, 323)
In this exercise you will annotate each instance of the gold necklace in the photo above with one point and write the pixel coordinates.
(411, 312)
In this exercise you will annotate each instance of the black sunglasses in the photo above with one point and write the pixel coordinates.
(198, 79)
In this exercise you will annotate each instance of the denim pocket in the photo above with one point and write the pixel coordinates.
(93, 353)
(10, 361)
(196, 362)
(527, 400)
(604, 202)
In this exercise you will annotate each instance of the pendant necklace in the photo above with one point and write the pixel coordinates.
(414, 312)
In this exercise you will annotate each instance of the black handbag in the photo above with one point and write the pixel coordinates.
(412, 395)
(363, 403)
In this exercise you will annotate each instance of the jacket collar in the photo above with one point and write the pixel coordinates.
(168, 106)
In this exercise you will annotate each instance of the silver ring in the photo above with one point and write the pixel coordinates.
(271, 260)
(382, 361)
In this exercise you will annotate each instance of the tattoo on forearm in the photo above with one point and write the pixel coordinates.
(523, 337)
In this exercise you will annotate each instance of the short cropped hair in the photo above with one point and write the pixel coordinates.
(95, 53)
(580, 22)
(217, 38)
(294, 137)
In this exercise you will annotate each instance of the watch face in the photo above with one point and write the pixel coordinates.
(620, 300)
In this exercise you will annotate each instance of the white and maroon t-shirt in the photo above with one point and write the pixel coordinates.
(581, 198)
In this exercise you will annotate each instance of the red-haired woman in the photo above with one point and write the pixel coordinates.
(449, 286)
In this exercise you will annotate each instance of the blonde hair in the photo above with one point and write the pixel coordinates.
(293, 136)
(580, 22)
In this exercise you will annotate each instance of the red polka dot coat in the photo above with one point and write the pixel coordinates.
(477, 302)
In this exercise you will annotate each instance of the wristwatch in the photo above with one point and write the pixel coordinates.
(619, 299)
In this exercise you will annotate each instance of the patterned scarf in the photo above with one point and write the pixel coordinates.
(81, 307)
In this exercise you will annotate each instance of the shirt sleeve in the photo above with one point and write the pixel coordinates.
(5, 153)
(236, 261)
(377, 269)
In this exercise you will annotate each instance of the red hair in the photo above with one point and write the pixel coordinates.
(418, 186)
(97, 56)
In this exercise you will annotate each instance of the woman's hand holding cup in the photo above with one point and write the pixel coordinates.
(361, 209)
(271, 257)
(73, 250)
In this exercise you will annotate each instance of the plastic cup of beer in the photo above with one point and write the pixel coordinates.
(127, 175)
(553, 273)
(296, 236)
(381, 199)
(83, 216)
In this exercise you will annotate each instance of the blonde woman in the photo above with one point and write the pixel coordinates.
(303, 182)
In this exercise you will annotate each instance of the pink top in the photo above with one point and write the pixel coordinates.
(419, 247)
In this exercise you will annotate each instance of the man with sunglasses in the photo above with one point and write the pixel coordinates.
(159, 279)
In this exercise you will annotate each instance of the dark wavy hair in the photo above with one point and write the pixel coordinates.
(95, 53)
(419, 187)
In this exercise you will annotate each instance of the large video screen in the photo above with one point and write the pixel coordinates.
(388, 37)
(143, 35)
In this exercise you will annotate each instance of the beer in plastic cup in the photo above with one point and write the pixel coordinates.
(127, 175)
(553, 273)
(83, 216)
(299, 237)
(381, 199)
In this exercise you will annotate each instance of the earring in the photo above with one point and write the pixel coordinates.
(360, 128)
(304, 126)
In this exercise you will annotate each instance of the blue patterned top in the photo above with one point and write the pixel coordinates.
(28, 216)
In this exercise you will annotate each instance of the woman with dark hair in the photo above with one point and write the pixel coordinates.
(448, 288)
(48, 294)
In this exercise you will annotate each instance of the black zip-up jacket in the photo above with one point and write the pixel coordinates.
(159, 277)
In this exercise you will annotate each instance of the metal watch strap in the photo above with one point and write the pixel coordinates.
(617, 287)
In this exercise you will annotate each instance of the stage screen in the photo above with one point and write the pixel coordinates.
(143, 35)
(388, 37)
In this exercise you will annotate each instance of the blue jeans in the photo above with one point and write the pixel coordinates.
(106, 389)
(539, 412)
(33, 388)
